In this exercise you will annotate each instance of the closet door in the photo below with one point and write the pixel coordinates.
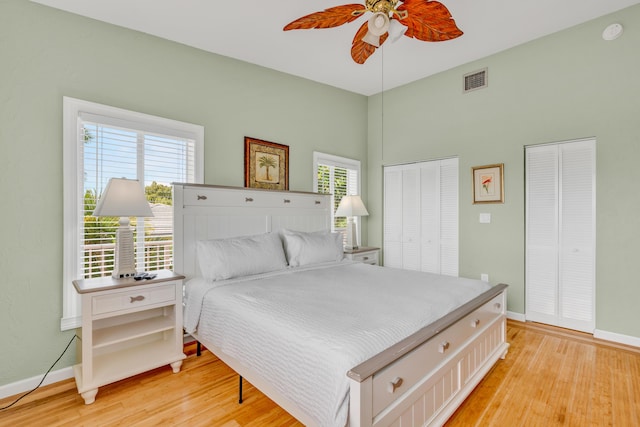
(449, 217)
(421, 216)
(560, 253)
(577, 236)
(411, 217)
(392, 233)
(430, 216)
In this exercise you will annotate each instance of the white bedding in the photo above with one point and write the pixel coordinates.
(303, 328)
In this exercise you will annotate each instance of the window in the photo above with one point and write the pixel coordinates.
(338, 176)
(100, 143)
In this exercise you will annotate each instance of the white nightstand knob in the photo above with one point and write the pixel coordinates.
(138, 298)
(475, 323)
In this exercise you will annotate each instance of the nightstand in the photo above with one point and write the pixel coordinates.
(128, 327)
(368, 255)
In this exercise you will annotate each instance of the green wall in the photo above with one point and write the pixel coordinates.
(566, 86)
(46, 54)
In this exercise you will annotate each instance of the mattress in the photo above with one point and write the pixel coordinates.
(303, 328)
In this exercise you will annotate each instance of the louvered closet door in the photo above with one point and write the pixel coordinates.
(560, 255)
(449, 217)
(421, 204)
(430, 216)
(392, 235)
(577, 235)
(411, 218)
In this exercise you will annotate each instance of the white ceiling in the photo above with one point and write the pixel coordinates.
(252, 31)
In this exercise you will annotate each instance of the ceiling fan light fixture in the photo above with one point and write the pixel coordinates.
(372, 39)
(396, 30)
(378, 24)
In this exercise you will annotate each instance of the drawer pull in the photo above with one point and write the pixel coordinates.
(318, 202)
(287, 201)
(202, 197)
(393, 385)
(365, 258)
(498, 306)
(248, 199)
(475, 323)
(138, 298)
(443, 347)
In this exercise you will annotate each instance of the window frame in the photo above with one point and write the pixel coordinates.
(73, 181)
(340, 162)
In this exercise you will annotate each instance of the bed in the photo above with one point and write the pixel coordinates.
(408, 359)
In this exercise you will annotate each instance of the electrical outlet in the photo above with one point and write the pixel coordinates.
(484, 277)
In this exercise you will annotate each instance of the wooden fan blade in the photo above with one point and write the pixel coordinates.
(429, 21)
(361, 51)
(332, 17)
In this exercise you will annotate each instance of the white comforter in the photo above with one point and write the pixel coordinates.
(302, 329)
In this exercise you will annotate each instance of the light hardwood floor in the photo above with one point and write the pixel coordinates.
(550, 377)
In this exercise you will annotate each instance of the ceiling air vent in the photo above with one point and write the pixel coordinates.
(476, 80)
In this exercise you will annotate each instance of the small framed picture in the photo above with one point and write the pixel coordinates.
(266, 164)
(488, 183)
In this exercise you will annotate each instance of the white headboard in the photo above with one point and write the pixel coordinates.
(203, 212)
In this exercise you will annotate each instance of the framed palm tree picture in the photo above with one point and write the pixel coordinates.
(266, 164)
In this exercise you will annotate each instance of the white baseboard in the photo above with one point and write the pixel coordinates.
(515, 316)
(599, 334)
(618, 338)
(25, 385)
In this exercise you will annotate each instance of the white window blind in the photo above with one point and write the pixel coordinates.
(338, 176)
(101, 143)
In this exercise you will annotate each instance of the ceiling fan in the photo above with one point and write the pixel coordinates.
(426, 20)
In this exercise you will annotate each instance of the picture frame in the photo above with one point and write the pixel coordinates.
(488, 183)
(266, 164)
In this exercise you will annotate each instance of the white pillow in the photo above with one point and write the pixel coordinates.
(221, 259)
(310, 248)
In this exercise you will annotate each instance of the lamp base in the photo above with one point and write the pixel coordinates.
(124, 263)
(352, 235)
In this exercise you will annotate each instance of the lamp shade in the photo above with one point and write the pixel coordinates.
(396, 30)
(351, 206)
(372, 39)
(123, 197)
(378, 24)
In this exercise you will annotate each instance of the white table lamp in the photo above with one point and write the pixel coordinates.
(123, 198)
(351, 206)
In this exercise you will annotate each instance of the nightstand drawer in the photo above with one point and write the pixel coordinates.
(117, 301)
(367, 257)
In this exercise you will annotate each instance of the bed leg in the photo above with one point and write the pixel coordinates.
(198, 348)
(240, 389)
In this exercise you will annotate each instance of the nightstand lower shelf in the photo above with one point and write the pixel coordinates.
(115, 366)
